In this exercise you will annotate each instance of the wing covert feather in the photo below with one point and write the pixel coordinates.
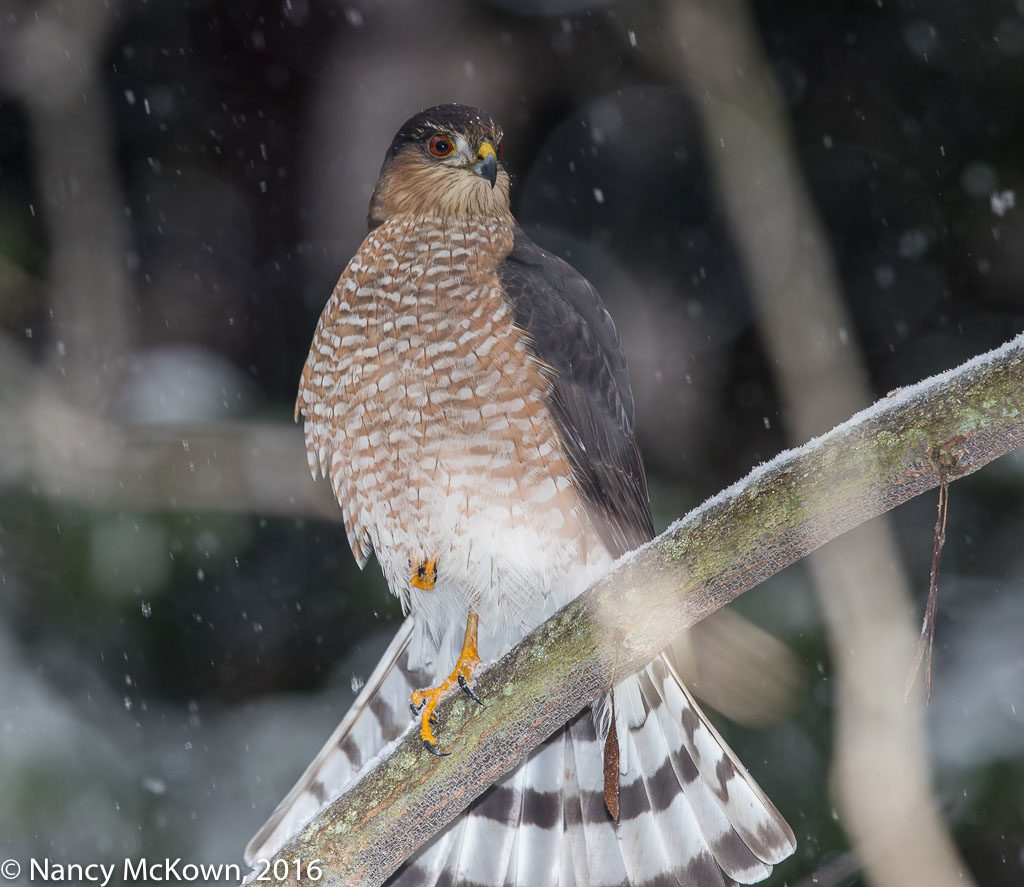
(591, 399)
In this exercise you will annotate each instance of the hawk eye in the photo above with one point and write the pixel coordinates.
(440, 146)
(501, 149)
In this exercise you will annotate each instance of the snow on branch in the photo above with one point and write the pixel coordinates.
(955, 422)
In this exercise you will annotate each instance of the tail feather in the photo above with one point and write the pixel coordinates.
(378, 715)
(488, 834)
(575, 865)
(730, 852)
(671, 764)
(668, 820)
(755, 819)
(604, 858)
(689, 815)
(540, 839)
(504, 835)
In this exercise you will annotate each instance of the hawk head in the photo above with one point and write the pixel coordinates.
(445, 161)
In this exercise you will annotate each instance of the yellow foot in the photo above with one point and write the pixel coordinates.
(423, 702)
(424, 576)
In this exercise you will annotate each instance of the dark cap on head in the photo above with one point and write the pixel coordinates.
(451, 118)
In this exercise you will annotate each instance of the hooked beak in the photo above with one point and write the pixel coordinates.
(487, 163)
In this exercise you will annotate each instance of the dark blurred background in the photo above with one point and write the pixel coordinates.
(790, 209)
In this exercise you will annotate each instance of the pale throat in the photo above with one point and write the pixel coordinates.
(416, 188)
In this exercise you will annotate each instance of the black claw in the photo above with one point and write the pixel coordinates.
(468, 690)
(430, 747)
(416, 709)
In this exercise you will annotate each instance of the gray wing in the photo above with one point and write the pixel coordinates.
(591, 399)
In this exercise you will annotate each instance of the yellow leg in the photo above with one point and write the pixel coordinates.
(425, 701)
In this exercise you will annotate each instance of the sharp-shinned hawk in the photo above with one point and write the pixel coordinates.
(468, 397)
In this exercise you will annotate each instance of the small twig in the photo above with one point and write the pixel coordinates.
(926, 641)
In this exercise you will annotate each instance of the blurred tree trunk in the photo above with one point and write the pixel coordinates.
(880, 765)
(89, 292)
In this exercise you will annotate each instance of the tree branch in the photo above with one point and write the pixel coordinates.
(779, 513)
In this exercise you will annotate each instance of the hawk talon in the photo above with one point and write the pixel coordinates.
(430, 747)
(423, 702)
(468, 690)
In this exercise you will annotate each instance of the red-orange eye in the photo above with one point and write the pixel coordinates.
(440, 146)
(501, 149)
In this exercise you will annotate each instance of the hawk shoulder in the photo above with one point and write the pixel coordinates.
(590, 399)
